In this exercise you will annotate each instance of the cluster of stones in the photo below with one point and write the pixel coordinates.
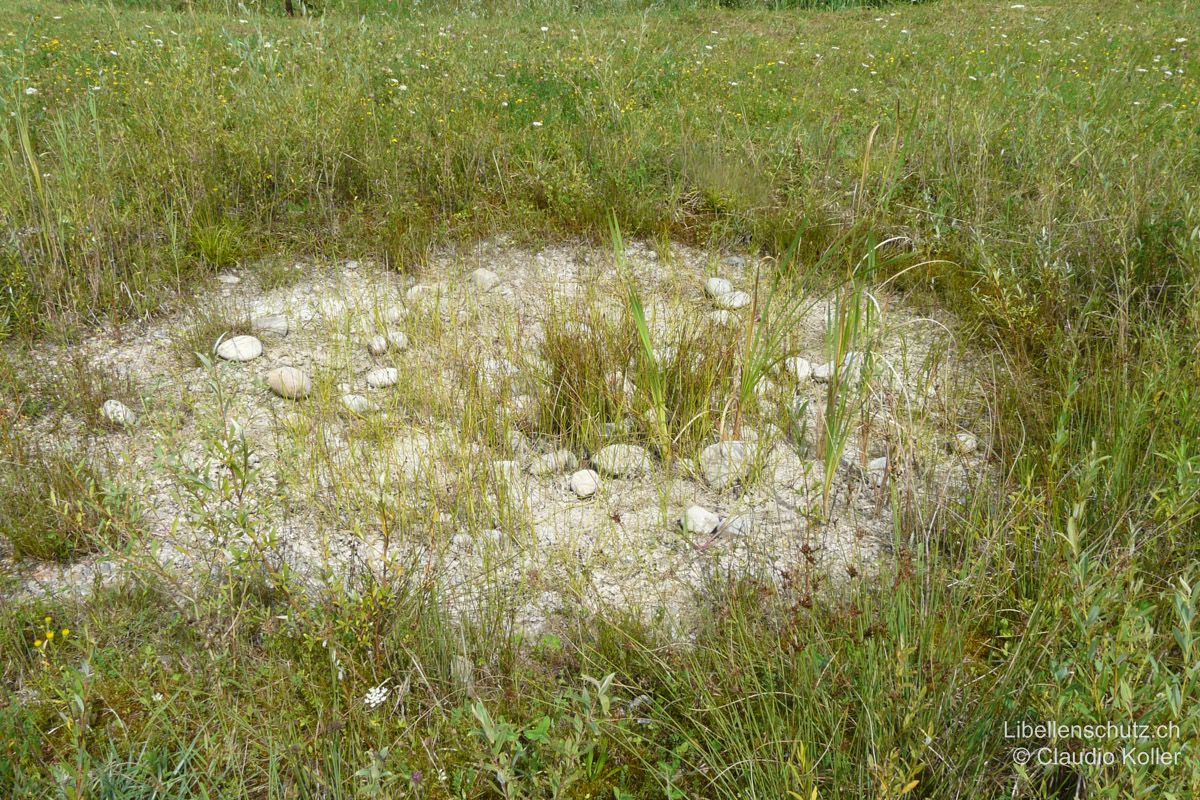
(724, 296)
(294, 383)
(722, 464)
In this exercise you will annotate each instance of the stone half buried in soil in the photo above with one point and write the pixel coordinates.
(552, 463)
(357, 403)
(732, 301)
(118, 413)
(382, 378)
(392, 340)
(485, 280)
(699, 520)
(715, 287)
(289, 382)
(724, 463)
(240, 348)
(622, 460)
(584, 483)
(271, 325)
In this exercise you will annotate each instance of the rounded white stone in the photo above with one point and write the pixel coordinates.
(380, 378)
(699, 520)
(622, 460)
(965, 443)
(732, 301)
(801, 368)
(357, 404)
(289, 382)
(584, 483)
(485, 280)
(551, 463)
(715, 287)
(724, 463)
(118, 413)
(240, 348)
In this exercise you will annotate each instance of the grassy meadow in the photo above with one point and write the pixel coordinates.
(1034, 169)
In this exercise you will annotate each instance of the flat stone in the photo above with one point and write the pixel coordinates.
(699, 520)
(622, 460)
(552, 463)
(738, 525)
(381, 378)
(412, 454)
(118, 413)
(715, 287)
(240, 348)
(357, 403)
(584, 483)
(271, 324)
(732, 301)
(724, 463)
(800, 368)
(377, 346)
(783, 467)
(485, 280)
(965, 443)
(289, 382)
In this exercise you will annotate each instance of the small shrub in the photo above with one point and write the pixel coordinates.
(55, 506)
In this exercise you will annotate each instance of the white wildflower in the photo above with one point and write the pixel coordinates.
(31, 90)
(376, 696)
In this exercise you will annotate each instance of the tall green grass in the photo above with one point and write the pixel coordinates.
(1044, 189)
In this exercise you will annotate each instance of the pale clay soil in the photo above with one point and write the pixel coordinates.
(525, 541)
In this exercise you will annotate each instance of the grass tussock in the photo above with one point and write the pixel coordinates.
(56, 506)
